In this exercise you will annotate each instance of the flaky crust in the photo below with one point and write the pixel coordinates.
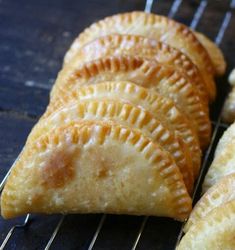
(215, 53)
(165, 79)
(160, 107)
(222, 165)
(133, 45)
(124, 114)
(152, 26)
(216, 231)
(95, 168)
(227, 138)
(219, 194)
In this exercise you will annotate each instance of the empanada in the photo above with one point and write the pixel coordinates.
(222, 165)
(116, 44)
(215, 53)
(156, 27)
(160, 107)
(222, 192)
(95, 168)
(228, 113)
(215, 231)
(165, 79)
(226, 139)
(124, 114)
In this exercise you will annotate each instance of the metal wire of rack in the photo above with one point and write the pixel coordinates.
(217, 124)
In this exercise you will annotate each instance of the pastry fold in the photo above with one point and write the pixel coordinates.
(95, 168)
(124, 114)
(133, 45)
(160, 107)
(219, 194)
(216, 231)
(224, 161)
(123, 132)
(165, 79)
(156, 27)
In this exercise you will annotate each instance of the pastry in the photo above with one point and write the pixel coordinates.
(156, 27)
(216, 231)
(163, 78)
(211, 225)
(227, 138)
(123, 132)
(219, 194)
(115, 44)
(95, 168)
(160, 107)
(222, 165)
(215, 53)
(124, 114)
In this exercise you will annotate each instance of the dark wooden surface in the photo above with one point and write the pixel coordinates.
(34, 36)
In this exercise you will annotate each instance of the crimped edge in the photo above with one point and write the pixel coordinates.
(152, 152)
(151, 70)
(214, 219)
(156, 101)
(224, 188)
(151, 19)
(150, 49)
(135, 117)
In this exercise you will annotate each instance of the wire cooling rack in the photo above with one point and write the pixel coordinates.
(218, 126)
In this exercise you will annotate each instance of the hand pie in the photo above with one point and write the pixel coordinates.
(123, 114)
(216, 231)
(215, 53)
(96, 168)
(219, 194)
(164, 79)
(160, 107)
(228, 113)
(114, 45)
(222, 165)
(227, 138)
(156, 27)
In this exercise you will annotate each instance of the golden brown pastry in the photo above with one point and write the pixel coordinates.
(160, 107)
(95, 168)
(124, 114)
(122, 133)
(215, 53)
(211, 225)
(160, 77)
(215, 231)
(223, 163)
(156, 27)
(219, 194)
(227, 138)
(115, 45)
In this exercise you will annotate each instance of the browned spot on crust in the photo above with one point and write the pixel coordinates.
(59, 169)
(37, 200)
(103, 172)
